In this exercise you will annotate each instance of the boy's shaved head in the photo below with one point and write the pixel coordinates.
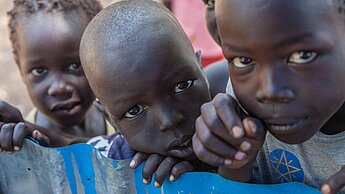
(124, 27)
(142, 67)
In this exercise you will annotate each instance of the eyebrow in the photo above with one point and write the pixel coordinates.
(302, 37)
(235, 48)
(297, 39)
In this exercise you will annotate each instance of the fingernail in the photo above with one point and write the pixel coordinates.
(252, 126)
(171, 178)
(326, 189)
(240, 156)
(237, 132)
(132, 164)
(16, 148)
(227, 162)
(145, 181)
(245, 146)
(157, 184)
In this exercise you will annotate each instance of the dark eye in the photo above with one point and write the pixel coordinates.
(74, 67)
(242, 61)
(39, 71)
(135, 111)
(209, 3)
(302, 57)
(182, 86)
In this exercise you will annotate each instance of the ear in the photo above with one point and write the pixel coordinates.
(198, 58)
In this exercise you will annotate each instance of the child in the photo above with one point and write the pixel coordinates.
(217, 72)
(45, 36)
(138, 51)
(286, 61)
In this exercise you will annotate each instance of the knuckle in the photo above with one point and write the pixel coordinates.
(206, 139)
(171, 161)
(7, 127)
(205, 106)
(221, 99)
(214, 123)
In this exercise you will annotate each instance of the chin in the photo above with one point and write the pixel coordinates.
(295, 138)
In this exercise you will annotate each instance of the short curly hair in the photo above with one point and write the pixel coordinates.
(26, 7)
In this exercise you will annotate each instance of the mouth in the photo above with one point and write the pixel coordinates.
(285, 125)
(182, 149)
(68, 107)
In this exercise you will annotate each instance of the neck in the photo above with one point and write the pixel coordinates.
(336, 124)
(46, 122)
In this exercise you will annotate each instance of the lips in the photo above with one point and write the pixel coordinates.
(182, 148)
(69, 107)
(285, 125)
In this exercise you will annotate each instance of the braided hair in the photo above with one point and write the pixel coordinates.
(22, 8)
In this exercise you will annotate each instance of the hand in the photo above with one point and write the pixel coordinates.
(223, 140)
(9, 114)
(12, 136)
(335, 183)
(163, 166)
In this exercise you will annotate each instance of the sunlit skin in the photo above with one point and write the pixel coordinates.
(154, 107)
(50, 68)
(290, 78)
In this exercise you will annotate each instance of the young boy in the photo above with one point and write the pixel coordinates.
(143, 69)
(286, 61)
(217, 72)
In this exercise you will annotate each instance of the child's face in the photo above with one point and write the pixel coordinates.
(50, 67)
(211, 20)
(155, 103)
(286, 62)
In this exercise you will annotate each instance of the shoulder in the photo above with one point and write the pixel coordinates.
(31, 117)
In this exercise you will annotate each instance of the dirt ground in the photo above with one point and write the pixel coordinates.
(12, 90)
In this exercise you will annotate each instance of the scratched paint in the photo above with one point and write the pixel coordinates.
(81, 169)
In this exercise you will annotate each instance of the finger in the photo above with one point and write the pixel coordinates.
(204, 155)
(19, 133)
(151, 166)
(213, 122)
(335, 183)
(216, 145)
(137, 159)
(255, 130)
(6, 137)
(42, 139)
(226, 107)
(164, 170)
(179, 169)
(9, 113)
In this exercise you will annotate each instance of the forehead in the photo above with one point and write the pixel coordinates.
(143, 69)
(42, 29)
(272, 20)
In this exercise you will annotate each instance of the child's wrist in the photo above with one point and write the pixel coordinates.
(243, 174)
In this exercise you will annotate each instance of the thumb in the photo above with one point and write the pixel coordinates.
(255, 129)
(42, 139)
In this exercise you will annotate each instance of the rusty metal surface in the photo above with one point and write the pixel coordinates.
(81, 169)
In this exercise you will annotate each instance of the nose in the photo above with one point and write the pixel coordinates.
(275, 86)
(59, 87)
(168, 117)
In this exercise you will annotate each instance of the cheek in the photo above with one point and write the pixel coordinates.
(36, 91)
(84, 87)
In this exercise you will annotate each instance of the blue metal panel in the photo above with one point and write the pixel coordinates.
(81, 169)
